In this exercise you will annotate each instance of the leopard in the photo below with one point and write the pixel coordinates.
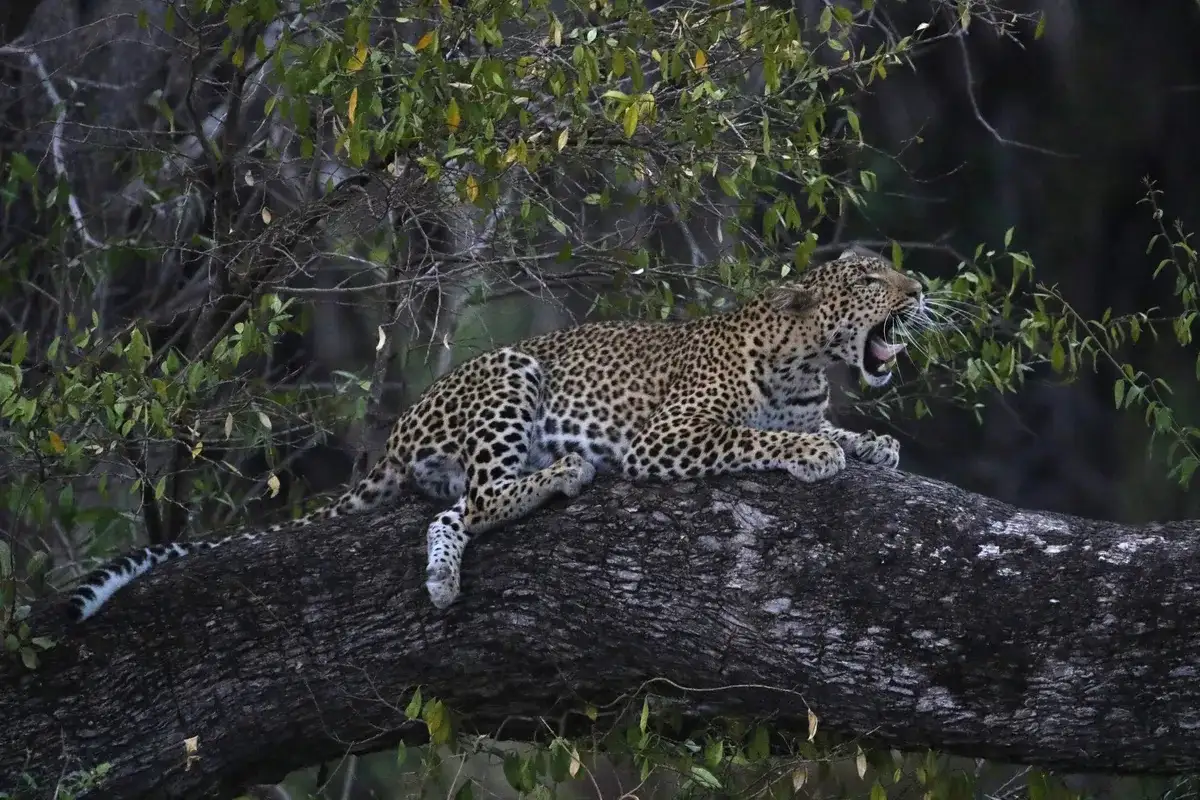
(735, 391)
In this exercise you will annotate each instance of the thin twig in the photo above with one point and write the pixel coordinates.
(966, 63)
(56, 139)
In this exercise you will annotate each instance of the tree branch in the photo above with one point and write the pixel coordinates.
(891, 605)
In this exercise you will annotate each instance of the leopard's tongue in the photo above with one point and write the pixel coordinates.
(883, 351)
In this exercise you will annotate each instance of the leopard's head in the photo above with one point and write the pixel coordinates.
(855, 306)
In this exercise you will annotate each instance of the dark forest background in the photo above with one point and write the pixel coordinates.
(1054, 137)
(1058, 137)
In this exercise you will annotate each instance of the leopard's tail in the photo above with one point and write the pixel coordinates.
(103, 582)
(379, 487)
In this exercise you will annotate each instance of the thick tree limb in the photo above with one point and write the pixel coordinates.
(892, 605)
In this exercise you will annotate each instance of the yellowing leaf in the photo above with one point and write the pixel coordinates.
(798, 778)
(266, 216)
(812, 725)
(191, 747)
(353, 104)
(273, 484)
(453, 117)
(562, 139)
(437, 720)
(700, 61)
(228, 425)
(576, 763)
(197, 448)
(358, 59)
(631, 120)
(425, 41)
(472, 188)
(56, 443)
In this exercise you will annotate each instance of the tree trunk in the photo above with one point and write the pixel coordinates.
(892, 605)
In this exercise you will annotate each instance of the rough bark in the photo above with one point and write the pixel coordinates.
(890, 604)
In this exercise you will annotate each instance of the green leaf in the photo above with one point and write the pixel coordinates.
(826, 20)
(760, 745)
(1058, 357)
(645, 717)
(701, 775)
(10, 379)
(37, 566)
(20, 348)
(728, 186)
(517, 772)
(1119, 392)
(437, 719)
(1187, 466)
(852, 118)
(714, 753)
(414, 706)
(29, 658)
(560, 761)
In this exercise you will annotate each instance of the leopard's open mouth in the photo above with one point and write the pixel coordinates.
(879, 355)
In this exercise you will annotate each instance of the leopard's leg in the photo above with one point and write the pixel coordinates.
(498, 445)
(868, 446)
(381, 486)
(682, 445)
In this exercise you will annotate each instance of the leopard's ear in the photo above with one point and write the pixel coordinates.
(791, 298)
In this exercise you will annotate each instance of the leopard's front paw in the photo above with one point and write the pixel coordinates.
(822, 459)
(876, 448)
(441, 581)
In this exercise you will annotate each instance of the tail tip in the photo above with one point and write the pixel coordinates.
(79, 604)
